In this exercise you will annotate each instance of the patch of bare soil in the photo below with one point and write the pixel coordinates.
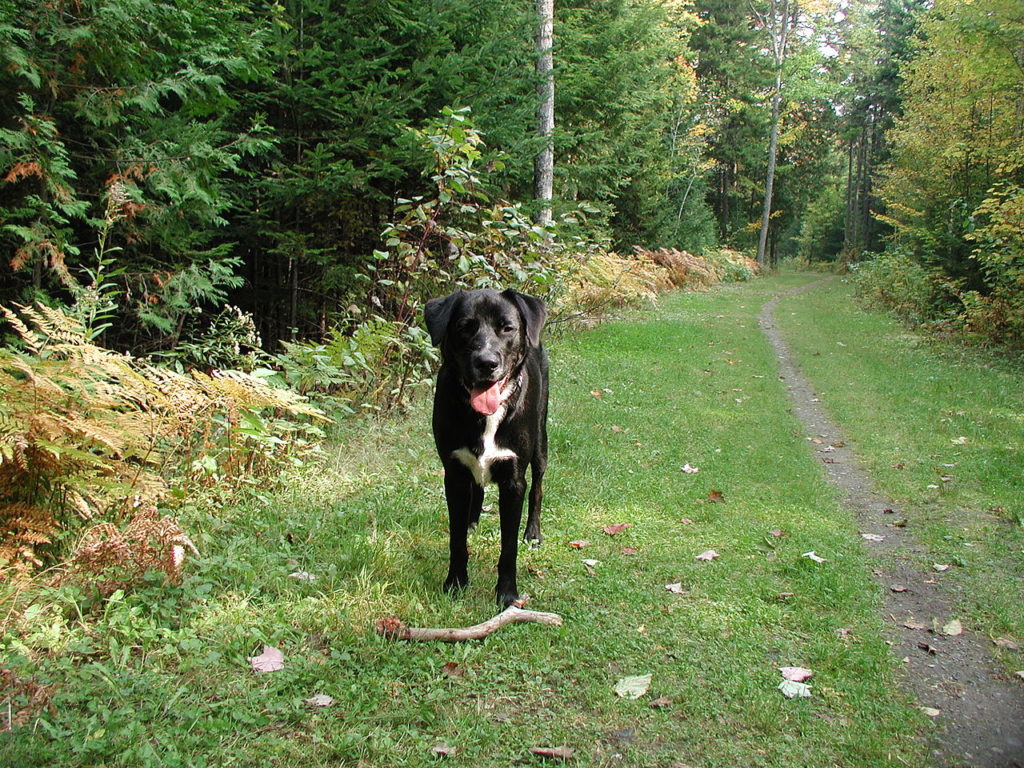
(980, 719)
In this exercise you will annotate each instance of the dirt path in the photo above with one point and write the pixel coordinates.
(981, 713)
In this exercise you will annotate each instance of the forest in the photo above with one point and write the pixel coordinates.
(225, 170)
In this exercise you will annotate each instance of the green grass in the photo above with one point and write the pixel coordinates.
(941, 429)
(159, 676)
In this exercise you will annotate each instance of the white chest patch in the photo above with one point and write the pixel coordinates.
(480, 466)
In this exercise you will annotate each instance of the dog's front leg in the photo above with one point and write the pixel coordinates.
(511, 492)
(460, 491)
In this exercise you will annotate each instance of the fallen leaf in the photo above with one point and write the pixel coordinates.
(916, 625)
(777, 532)
(443, 750)
(578, 544)
(953, 628)
(633, 687)
(690, 470)
(1007, 643)
(453, 669)
(940, 568)
(793, 690)
(558, 753)
(616, 428)
(931, 711)
(707, 554)
(796, 674)
(686, 521)
(717, 497)
(959, 441)
(813, 556)
(271, 660)
(302, 576)
(612, 530)
(630, 551)
(872, 537)
(660, 702)
(1020, 674)
(677, 587)
(898, 588)
(320, 700)
(928, 648)
(596, 393)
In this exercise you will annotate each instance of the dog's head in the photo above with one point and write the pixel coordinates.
(485, 335)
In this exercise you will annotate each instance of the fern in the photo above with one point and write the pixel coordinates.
(87, 434)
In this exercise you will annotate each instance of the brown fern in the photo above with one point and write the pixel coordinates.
(87, 433)
(113, 558)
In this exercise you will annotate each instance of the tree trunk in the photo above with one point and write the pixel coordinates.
(773, 150)
(544, 164)
(779, 21)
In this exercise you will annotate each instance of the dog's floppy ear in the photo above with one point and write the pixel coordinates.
(534, 313)
(436, 314)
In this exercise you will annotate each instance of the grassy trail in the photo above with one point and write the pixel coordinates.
(693, 382)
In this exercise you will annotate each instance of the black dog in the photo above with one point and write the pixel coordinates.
(490, 418)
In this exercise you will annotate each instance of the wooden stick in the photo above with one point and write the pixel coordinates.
(393, 627)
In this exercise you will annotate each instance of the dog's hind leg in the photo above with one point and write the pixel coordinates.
(476, 503)
(532, 535)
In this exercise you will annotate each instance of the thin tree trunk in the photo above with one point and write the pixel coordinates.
(544, 164)
(773, 150)
(779, 22)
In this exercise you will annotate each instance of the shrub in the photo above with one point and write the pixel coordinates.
(899, 283)
(378, 365)
(608, 280)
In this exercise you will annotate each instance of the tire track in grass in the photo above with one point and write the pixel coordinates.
(980, 720)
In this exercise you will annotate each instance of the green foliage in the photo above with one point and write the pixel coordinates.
(899, 282)
(378, 365)
(123, 100)
(953, 185)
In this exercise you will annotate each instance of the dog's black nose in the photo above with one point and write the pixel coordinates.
(487, 363)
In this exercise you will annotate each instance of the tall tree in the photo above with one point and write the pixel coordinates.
(544, 165)
(778, 20)
(730, 75)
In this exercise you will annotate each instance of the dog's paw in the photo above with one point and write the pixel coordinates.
(533, 541)
(505, 598)
(455, 583)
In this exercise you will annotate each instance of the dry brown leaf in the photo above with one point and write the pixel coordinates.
(612, 530)
(557, 753)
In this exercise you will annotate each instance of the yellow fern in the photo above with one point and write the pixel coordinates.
(90, 433)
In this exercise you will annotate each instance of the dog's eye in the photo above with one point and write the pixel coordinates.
(507, 328)
(468, 326)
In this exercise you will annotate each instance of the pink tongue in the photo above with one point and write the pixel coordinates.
(486, 401)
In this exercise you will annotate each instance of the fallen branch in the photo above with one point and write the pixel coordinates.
(392, 627)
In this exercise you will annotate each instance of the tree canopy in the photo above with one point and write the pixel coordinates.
(159, 161)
